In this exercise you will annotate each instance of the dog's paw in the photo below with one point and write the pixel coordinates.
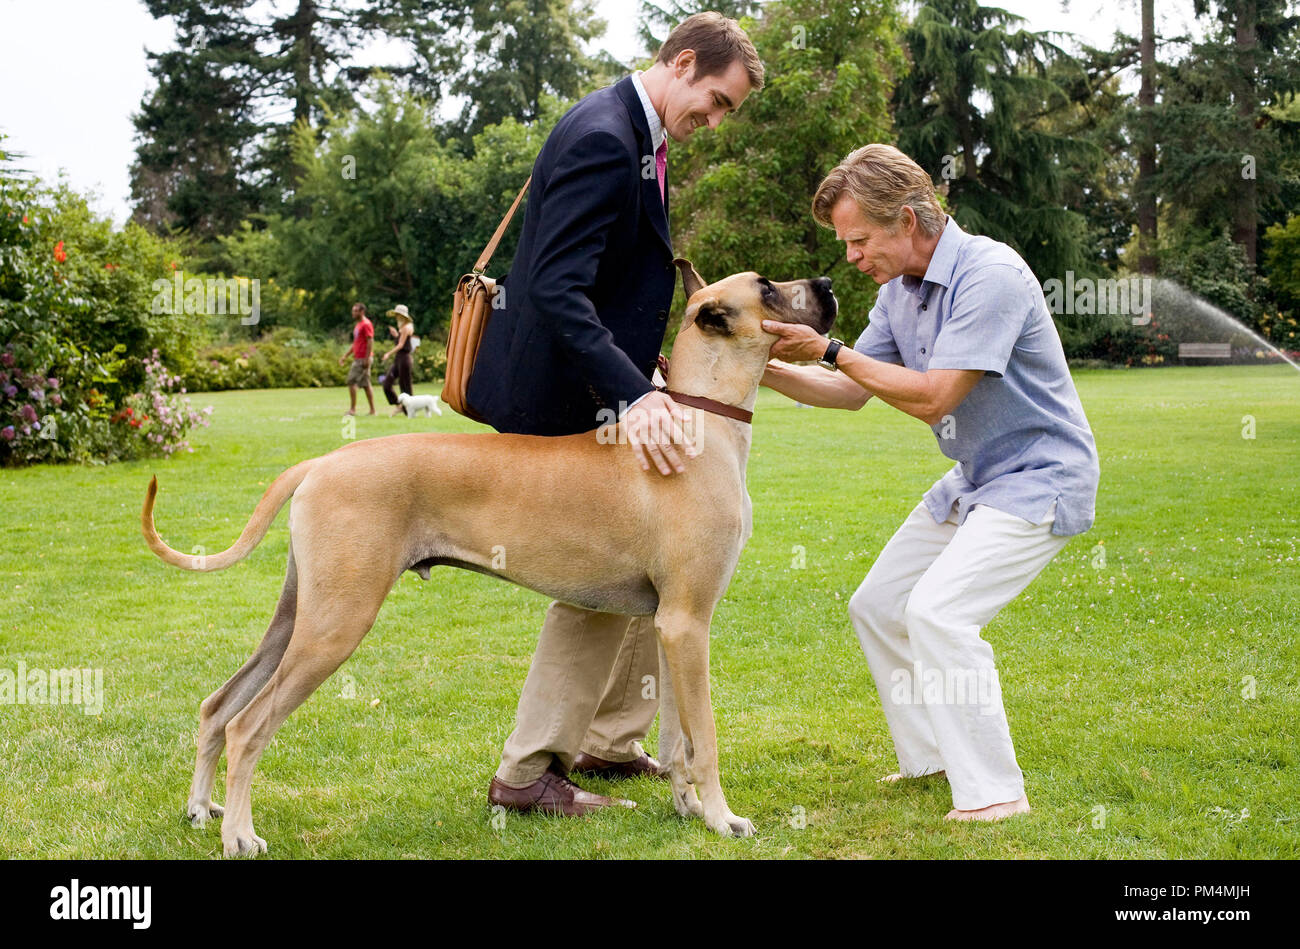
(243, 844)
(729, 825)
(687, 802)
(197, 813)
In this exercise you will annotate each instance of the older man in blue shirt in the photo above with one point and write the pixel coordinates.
(961, 338)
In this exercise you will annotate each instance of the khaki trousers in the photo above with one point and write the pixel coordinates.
(593, 686)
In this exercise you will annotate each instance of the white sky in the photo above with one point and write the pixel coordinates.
(73, 72)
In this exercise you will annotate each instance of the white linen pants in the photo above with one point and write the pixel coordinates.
(918, 615)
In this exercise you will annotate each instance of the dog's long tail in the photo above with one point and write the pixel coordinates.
(278, 493)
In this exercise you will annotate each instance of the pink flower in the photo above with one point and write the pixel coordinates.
(28, 413)
(7, 358)
(7, 433)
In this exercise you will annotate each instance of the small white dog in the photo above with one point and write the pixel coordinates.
(416, 403)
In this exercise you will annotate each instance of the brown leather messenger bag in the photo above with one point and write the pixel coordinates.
(471, 309)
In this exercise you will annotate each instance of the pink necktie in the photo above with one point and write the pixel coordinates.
(661, 165)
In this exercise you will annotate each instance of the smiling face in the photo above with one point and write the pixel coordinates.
(876, 251)
(691, 102)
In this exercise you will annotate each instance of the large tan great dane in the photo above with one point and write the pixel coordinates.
(576, 518)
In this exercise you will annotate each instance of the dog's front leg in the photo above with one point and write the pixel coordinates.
(684, 637)
(674, 750)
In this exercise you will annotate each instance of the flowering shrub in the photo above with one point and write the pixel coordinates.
(27, 401)
(156, 420)
(75, 317)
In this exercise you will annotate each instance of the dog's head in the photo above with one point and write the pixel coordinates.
(738, 305)
(402, 397)
(725, 321)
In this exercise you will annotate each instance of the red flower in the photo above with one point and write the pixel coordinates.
(110, 266)
(59, 253)
(24, 218)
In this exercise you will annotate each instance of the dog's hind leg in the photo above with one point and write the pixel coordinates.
(327, 630)
(224, 704)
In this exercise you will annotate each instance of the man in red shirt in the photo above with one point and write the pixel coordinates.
(359, 374)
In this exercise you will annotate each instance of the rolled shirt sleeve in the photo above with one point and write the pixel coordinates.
(989, 309)
(876, 340)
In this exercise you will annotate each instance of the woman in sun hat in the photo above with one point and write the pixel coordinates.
(400, 371)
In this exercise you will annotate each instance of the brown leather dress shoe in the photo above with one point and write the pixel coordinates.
(613, 770)
(552, 793)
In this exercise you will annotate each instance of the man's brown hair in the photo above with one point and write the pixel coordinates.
(362, 307)
(718, 42)
(882, 181)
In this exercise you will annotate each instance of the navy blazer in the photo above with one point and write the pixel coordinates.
(587, 297)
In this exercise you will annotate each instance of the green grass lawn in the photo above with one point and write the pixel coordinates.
(1149, 674)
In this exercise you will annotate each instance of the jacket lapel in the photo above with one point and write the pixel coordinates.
(656, 208)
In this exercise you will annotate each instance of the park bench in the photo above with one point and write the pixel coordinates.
(1204, 350)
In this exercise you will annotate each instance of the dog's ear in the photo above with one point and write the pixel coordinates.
(691, 281)
(710, 315)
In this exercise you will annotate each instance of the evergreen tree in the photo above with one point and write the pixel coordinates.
(973, 112)
(215, 133)
(742, 194)
(658, 19)
(524, 50)
(1220, 153)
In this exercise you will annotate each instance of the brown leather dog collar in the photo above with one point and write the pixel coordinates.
(701, 402)
(711, 405)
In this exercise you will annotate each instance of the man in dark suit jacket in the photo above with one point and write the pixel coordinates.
(585, 309)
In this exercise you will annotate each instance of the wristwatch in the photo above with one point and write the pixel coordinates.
(832, 353)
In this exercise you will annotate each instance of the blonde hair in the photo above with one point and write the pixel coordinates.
(882, 181)
(718, 42)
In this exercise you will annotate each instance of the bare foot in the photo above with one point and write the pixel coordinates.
(371, 412)
(894, 778)
(350, 412)
(992, 812)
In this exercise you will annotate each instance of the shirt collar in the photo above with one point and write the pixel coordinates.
(657, 133)
(942, 262)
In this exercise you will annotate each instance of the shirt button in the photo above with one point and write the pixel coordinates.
(922, 350)
(663, 315)
(925, 306)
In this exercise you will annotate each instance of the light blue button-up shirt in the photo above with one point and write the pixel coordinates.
(1020, 438)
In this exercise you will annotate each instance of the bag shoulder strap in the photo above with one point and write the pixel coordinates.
(491, 248)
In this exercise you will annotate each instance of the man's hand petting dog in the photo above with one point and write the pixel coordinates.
(798, 343)
(654, 430)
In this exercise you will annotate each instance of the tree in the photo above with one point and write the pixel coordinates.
(195, 169)
(658, 19)
(1219, 151)
(1148, 239)
(525, 50)
(973, 111)
(215, 134)
(395, 215)
(742, 194)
